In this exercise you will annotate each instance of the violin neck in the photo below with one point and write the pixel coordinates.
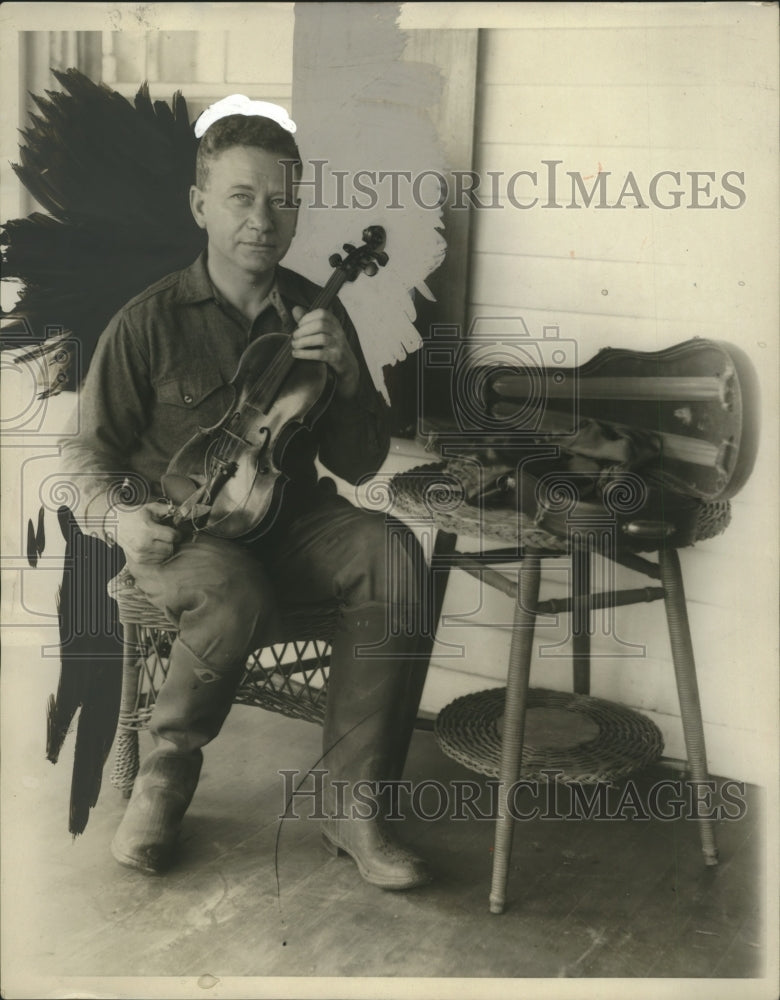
(269, 383)
(329, 291)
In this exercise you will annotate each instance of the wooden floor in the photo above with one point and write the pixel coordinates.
(588, 898)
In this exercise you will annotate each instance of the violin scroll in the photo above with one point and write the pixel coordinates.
(365, 259)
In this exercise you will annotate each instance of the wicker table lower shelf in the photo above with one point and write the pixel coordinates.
(586, 739)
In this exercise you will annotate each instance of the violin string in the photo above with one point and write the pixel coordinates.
(281, 361)
(228, 443)
(283, 357)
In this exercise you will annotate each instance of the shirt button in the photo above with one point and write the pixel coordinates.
(188, 398)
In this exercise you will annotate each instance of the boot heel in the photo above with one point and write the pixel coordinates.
(330, 847)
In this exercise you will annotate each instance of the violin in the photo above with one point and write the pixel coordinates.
(229, 479)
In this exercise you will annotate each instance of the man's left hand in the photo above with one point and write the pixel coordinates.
(320, 337)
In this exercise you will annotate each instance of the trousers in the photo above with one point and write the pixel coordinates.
(224, 597)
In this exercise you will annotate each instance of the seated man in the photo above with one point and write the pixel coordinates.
(160, 372)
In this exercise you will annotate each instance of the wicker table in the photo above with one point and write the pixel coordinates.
(612, 740)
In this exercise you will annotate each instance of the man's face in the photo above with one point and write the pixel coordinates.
(247, 209)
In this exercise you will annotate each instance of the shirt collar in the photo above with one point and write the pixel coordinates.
(194, 282)
(294, 288)
(195, 286)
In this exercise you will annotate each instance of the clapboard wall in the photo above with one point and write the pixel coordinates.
(639, 98)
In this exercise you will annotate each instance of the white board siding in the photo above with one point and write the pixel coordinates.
(626, 290)
(629, 234)
(641, 55)
(654, 116)
(641, 99)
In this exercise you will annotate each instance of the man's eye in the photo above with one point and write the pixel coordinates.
(241, 197)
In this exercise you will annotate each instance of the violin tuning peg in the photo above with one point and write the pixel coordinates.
(370, 269)
(349, 248)
(374, 236)
(382, 258)
(334, 260)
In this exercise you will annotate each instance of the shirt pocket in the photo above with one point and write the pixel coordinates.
(195, 398)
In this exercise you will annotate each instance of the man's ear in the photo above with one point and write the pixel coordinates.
(196, 206)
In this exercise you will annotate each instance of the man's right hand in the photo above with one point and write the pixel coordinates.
(142, 536)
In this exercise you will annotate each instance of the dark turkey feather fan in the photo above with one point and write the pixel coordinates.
(115, 179)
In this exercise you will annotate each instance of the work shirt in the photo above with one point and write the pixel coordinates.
(161, 371)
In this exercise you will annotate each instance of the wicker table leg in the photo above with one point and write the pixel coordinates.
(687, 687)
(514, 723)
(126, 744)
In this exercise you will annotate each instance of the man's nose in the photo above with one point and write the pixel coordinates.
(260, 216)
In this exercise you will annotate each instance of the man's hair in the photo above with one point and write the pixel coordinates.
(244, 130)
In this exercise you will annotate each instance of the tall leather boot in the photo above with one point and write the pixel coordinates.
(409, 705)
(147, 836)
(365, 737)
(191, 708)
(431, 599)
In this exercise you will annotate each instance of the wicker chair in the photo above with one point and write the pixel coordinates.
(289, 676)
